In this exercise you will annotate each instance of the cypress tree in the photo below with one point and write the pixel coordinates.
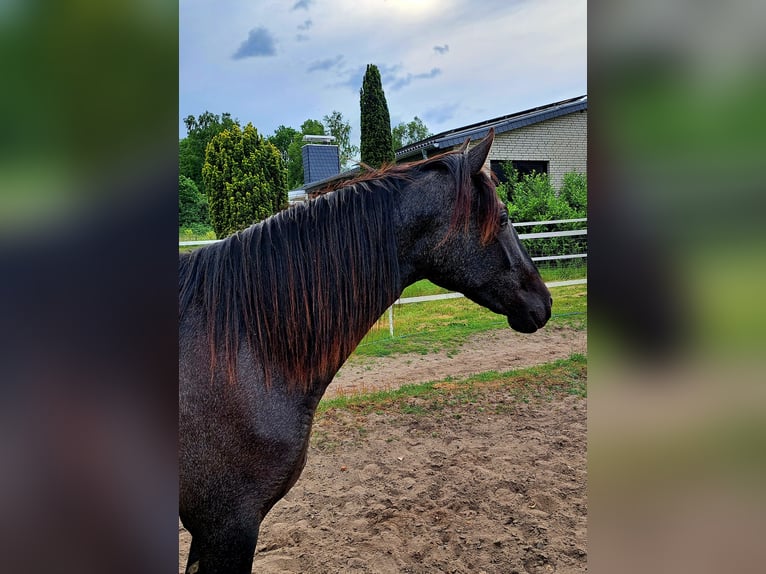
(376, 145)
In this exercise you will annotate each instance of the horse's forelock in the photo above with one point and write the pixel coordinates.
(486, 203)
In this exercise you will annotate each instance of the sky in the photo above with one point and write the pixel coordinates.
(449, 62)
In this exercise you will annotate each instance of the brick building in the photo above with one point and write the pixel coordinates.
(552, 139)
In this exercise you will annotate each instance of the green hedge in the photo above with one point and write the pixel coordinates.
(533, 198)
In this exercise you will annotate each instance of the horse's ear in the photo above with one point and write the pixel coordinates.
(478, 154)
(464, 145)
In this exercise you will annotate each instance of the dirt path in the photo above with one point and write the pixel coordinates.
(498, 350)
(493, 486)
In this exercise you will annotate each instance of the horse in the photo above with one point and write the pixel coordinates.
(268, 316)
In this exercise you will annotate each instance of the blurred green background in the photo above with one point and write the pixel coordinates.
(677, 432)
(89, 95)
(88, 284)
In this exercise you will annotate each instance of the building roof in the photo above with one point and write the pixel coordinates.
(448, 139)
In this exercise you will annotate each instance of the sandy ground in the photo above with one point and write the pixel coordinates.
(494, 486)
(498, 350)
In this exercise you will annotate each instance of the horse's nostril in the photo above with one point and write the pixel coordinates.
(551, 301)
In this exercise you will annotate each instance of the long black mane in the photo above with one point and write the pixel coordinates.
(302, 287)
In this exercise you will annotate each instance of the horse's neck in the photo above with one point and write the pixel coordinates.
(347, 338)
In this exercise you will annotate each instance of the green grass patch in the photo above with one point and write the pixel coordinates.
(543, 382)
(563, 270)
(195, 233)
(421, 288)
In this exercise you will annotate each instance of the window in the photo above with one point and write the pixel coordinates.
(498, 168)
(522, 167)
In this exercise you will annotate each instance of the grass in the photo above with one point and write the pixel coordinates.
(420, 288)
(563, 272)
(199, 233)
(542, 382)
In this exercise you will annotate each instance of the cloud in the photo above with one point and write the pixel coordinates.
(441, 114)
(441, 49)
(301, 37)
(391, 77)
(355, 78)
(388, 74)
(306, 25)
(302, 4)
(259, 42)
(401, 82)
(327, 64)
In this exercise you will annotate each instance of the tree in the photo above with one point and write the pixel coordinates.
(295, 155)
(313, 128)
(376, 144)
(341, 130)
(192, 205)
(405, 134)
(245, 178)
(282, 138)
(191, 149)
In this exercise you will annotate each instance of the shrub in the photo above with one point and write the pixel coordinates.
(533, 198)
(575, 192)
(245, 179)
(192, 205)
(195, 232)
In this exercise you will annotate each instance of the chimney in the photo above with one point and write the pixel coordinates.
(320, 159)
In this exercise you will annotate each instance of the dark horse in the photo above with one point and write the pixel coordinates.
(269, 315)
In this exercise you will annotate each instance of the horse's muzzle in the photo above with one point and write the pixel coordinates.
(534, 317)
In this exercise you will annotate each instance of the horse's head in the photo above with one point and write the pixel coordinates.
(454, 231)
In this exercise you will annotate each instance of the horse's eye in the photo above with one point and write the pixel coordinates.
(503, 218)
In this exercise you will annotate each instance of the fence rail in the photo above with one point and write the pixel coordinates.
(452, 295)
(200, 242)
(551, 222)
(557, 257)
(542, 234)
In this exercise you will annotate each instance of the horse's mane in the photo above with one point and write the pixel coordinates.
(301, 288)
